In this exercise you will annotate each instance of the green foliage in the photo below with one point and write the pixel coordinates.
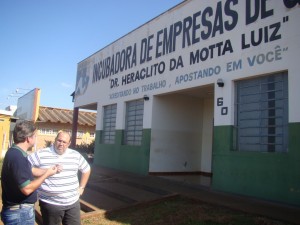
(86, 148)
(48, 143)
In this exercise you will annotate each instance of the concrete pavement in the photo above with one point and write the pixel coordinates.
(110, 190)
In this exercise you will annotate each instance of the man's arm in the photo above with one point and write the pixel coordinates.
(35, 184)
(83, 181)
(37, 172)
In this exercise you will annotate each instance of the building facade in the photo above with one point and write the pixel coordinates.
(207, 86)
(4, 133)
(7, 121)
(51, 120)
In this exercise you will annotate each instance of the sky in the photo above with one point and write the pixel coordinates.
(41, 42)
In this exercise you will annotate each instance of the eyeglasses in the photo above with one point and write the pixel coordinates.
(61, 141)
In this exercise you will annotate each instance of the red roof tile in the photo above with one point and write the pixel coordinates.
(57, 115)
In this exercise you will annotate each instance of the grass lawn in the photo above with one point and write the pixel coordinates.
(179, 211)
(176, 211)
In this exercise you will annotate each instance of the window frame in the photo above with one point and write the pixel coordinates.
(109, 124)
(266, 112)
(133, 132)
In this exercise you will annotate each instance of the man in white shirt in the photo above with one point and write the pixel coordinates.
(59, 194)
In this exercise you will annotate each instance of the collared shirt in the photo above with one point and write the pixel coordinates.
(16, 174)
(61, 188)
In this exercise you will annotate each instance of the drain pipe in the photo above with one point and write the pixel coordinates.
(74, 127)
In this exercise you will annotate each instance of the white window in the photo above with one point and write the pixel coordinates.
(48, 131)
(262, 114)
(109, 124)
(134, 122)
(79, 134)
(42, 131)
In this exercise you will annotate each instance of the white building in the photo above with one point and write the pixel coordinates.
(206, 87)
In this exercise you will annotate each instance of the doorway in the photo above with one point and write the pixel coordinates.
(182, 135)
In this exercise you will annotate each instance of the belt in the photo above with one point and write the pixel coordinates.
(20, 206)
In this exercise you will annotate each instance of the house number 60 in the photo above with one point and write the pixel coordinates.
(224, 109)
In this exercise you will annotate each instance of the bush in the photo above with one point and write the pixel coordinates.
(87, 151)
(48, 143)
(86, 148)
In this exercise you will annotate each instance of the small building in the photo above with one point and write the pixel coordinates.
(51, 120)
(6, 123)
(4, 133)
(206, 87)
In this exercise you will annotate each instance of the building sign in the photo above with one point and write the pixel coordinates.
(28, 105)
(194, 41)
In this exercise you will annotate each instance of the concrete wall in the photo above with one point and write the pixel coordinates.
(180, 126)
(272, 176)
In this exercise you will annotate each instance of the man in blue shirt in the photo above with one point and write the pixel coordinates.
(19, 180)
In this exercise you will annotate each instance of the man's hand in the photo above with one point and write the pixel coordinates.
(51, 171)
(80, 191)
(59, 168)
(36, 183)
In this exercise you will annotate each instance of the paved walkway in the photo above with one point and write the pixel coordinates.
(110, 190)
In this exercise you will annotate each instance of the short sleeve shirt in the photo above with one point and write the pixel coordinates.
(61, 188)
(16, 174)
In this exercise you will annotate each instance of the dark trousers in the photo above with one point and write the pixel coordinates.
(57, 215)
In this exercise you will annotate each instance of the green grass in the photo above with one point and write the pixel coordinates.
(179, 211)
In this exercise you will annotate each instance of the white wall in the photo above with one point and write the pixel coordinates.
(231, 52)
(177, 134)
(207, 135)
